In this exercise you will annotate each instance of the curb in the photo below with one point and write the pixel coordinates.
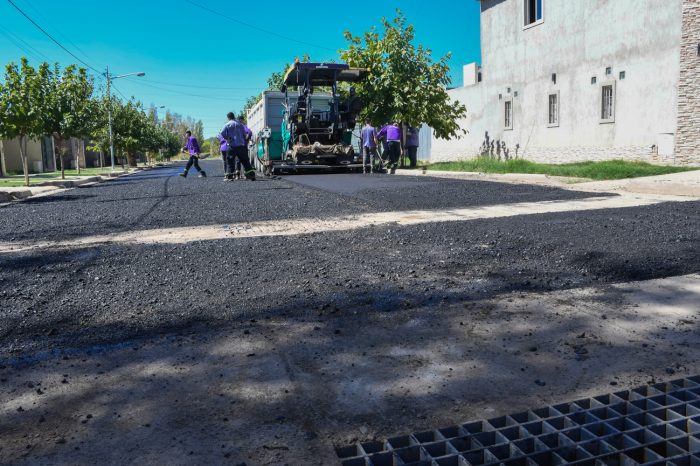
(53, 186)
(517, 178)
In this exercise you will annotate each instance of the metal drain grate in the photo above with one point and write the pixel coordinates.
(653, 425)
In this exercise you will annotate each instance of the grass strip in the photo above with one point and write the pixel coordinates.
(606, 170)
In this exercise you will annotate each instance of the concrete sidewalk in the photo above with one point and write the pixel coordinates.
(686, 184)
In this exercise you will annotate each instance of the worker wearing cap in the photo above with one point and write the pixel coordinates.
(234, 133)
(392, 134)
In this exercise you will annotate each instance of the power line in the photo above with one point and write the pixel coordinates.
(120, 92)
(257, 28)
(19, 46)
(204, 87)
(136, 81)
(41, 15)
(15, 39)
(51, 37)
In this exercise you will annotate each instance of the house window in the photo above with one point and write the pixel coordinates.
(607, 103)
(508, 114)
(533, 11)
(553, 110)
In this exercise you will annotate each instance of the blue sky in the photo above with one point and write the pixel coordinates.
(202, 65)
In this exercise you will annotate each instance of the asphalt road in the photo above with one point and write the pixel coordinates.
(270, 350)
(107, 294)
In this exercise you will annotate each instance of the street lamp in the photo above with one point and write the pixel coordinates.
(110, 78)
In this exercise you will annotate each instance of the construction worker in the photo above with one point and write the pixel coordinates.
(412, 143)
(392, 134)
(369, 146)
(235, 135)
(223, 145)
(192, 148)
(248, 137)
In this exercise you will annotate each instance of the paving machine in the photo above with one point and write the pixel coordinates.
(317, 123)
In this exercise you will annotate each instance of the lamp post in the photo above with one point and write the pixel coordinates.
(110, 78)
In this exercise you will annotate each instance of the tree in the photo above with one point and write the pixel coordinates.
(98, 130)
(404, 84)
(129, 128)
(70, 109)
(274, 83)
(20, 107)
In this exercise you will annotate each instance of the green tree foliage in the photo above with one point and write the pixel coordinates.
(69, 109)
(98, 131)
(274, 83)
(60, 103)
(405, 84)
(21, 101)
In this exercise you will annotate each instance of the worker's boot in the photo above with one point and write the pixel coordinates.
(202, 174)
(184, 174)
(250, 175)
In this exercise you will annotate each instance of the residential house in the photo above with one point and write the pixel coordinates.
(573, 80)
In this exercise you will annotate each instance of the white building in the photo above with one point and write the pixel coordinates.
(574, 80)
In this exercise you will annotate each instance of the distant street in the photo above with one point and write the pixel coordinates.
(156, 317)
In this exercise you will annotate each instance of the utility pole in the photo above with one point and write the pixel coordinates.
(109, 115)
(109, 78)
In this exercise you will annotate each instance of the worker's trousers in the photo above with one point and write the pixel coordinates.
(194, 160)
(394, 149)
(240, 152)
(412, 155)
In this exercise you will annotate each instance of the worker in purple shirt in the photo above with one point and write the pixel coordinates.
(248, 138)
(192, 148)
(392, 134)
(234, 133)
(412, 143)
(223, 145)
(369, 146)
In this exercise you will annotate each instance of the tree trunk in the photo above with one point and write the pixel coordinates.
(102, 161)
(131, 157)
(61, 155)
(75, 149)
(23, 156)
(53, 151)
(404, 128)
(3, 168)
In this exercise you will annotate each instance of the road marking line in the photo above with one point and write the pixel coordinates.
(181, 235)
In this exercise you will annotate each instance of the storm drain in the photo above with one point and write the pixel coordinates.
(653, 425)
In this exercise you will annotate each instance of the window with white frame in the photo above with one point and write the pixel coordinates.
(508, 114)
(533, 11)
(607, 103)
(553, 109)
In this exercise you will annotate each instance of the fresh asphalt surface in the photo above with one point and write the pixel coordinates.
(271, 350)
(104, 295)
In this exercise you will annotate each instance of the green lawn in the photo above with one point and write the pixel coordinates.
(18, 180)
(608, 170)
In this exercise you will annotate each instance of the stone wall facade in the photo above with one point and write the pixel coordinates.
(559, 155)
(688, 133)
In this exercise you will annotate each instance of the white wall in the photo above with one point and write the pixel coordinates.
(13, 158)
(577, 40)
